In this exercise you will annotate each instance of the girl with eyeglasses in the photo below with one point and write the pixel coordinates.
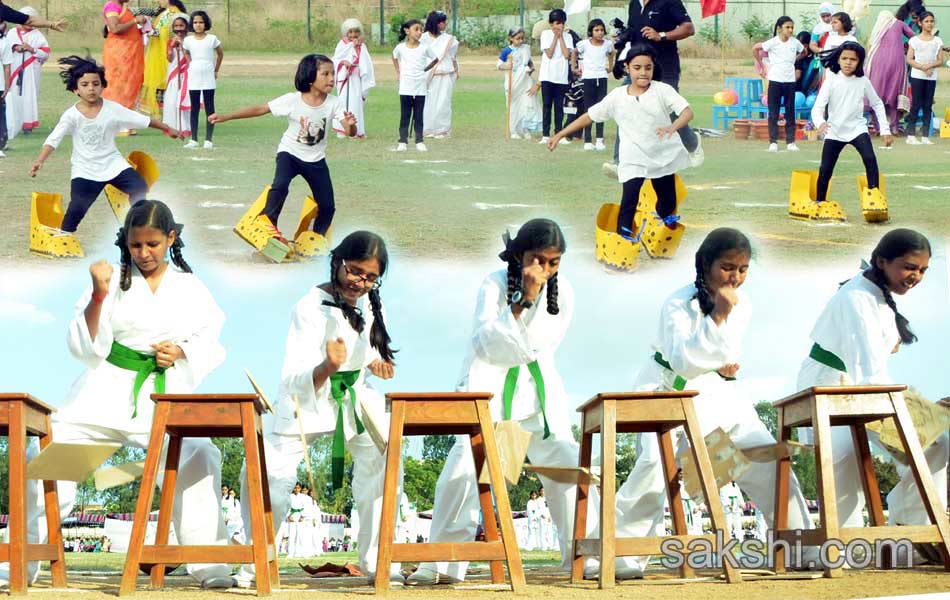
(337, 339)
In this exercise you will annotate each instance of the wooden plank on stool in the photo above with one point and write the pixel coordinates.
(824, 467)
(582, 500)
(387, 524)
(608, 499)
(783, 474)
(166, 506)
(489, 522)
(450, 552)
(254, 457)
(16, 525)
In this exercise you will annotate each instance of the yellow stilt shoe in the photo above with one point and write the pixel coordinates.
(612, 249)
(647, 203)
(873, 201)
(802, 193)
(307, 243)
(145, 166)
(257, 230)
(46, 237)
(659, 240)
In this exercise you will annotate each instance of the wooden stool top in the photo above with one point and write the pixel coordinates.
(839, 390)
(439, 413)
(845, 405)
(35, 413)
(638, 412)
(207, 415)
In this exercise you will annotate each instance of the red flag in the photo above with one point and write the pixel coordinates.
(712, 7)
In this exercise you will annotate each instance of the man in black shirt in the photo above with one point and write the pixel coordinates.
(10, 15)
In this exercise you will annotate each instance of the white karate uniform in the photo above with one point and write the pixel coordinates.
(353, 84)
(294, 515)
(548, 529)
(695, 347)
(534, 525)
(304, 547)
(100, 404)
(232, 519)
(858, 327)
(731, 498)
(25, 79)
(437, 112)
(312, 325)
(500, 342)
(316, 532)
(176, 111)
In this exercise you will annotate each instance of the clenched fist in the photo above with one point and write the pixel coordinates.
(101, 273)
(336, 355)
(533, 279)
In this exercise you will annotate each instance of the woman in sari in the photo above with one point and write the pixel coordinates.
(885, 65)
(123, 54)
(156, 63)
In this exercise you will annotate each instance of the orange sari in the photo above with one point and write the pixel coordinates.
(123, 56)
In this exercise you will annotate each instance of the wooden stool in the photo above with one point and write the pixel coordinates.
(22, 415)
(640, 412)
(853, 406)
(203, 415)
(450, 414)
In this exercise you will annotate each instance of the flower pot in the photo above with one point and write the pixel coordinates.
(742, 128)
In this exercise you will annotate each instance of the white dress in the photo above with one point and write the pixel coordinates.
(176, 111)
(858, 327)
(25, 80)
(437, 113)
(525, 108)
(353, 84)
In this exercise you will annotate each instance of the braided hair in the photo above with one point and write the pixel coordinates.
(718, 242)
(155, 214)
(536, 234)
(363, 245)
(893, 245)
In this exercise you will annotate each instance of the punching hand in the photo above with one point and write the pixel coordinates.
(726, 300)
(336, 354)
(101, 273)
(382, 369)
(729, 370)
(533, 278)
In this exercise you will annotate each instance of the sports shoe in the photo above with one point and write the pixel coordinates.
(697, 156)
(792, 148)
(592, 572)
(219, 583)
(2, 154)
(191, 145)
(600, 144)
(401, 147)
(609, 169)
(564, 141)
(588, 146)
(773, 147)
(421, 147)
(926, 141)
(913, 141)
(544, 140)
(271, 229)
(208, 145)
(424, 576)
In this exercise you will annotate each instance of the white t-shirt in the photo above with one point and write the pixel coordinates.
(95, 156)
(844, 97)
(594, 58)
(412, 65)
(554, 69)
(307, 126)
(834, 40)
(201, 69)
(6, 58)
(642, 153)
(925, 52)
(782, 56)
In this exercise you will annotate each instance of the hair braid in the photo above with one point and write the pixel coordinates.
(514, 277)
(553, 308)
(378, 336)
(125, 277)
(903, 325)
(706, 303)
(177, 258)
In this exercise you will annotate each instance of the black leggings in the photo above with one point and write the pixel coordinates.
(317, 176)
(552, 96)
(195, 96)
(83, 192)
(829, 157)
(411, 107)
(665, 188)
(595, 90)
(777, 91)
(922, 91)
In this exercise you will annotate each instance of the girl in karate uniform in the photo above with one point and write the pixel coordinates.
(521, 315)
(337, 339)
(854, 337)
(354, 74)
(698, 347)
(145, 316)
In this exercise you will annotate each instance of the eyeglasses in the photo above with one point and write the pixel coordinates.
(358, 276)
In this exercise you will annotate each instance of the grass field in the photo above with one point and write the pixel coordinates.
(456, 200)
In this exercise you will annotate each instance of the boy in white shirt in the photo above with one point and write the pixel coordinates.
(556, 50)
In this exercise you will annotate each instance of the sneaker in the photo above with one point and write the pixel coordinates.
(913, 141)
(421, 147)
(792, 148)
(401, 147)
(588, 146)
(191, 145)
(600, 145)
(544, 140)
(926, 141)
(773, 147)
(2, 154)
(208, 145)
(564, 141)
(609, 169)
(219, 583)
(271, 229)
(697, 156)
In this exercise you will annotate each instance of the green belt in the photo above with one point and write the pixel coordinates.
(509, 392)
(829, 359)
(143, 364)
(679, 384)
(341, 383)
(296, 510)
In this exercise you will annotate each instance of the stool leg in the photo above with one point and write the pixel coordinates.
(580, 505)
(706, 478)
(824, 466)
(255, 495)
(166, 505)
(921, 471)
(55, 534)
(271, 543)
(508, 538)
(872, 491)
(488, 507)
(17, 483)
(387, 523)
(783, 475)
(133, 556)
(608, 499)
(673, 494)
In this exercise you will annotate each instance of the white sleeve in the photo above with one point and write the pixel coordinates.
(203, 350)
(339, 109)
(367, 71)
(582, 46)
(282, 106)
(693, 353)
(877, 106)
(396, 52)
(603, 110)
(41, 55)
(864, 356)
(129, 119)
(215, 42)
(799, 47)
(79, 339)
(821, 102)
(767, 45)
(547, 36)
(304, 351)
(673, 101)
(65, 126)
(499, 338)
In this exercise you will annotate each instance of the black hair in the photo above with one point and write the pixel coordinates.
(177, 4)
(894, 244)
(638, 49)
(204, 16)
(432, 21)
(180, 15)
(595, 23)
(557, 16)
(307, 71)
(829, 58)
(845, 19)
(805, 38)
(908, 8)
(923, 14)
(74, 67)
(536, 234)
(404, 28)
(149, 213)
(362, 245)
(780, 22)
(718, 242)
